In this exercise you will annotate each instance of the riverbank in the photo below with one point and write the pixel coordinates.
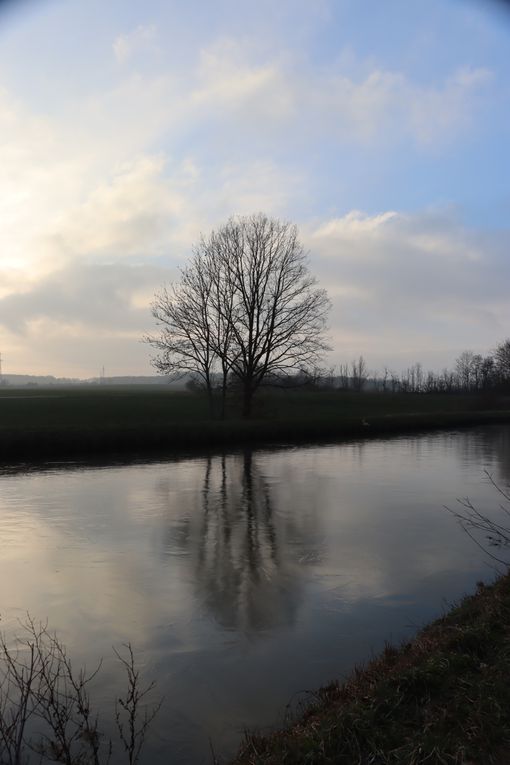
(68, 423)
(442, 698)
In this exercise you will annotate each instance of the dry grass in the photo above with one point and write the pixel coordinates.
(443, 698)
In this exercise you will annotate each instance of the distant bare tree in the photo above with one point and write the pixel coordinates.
(419, 377)
(465, 369)
(502, 361)
(447, 381)
(430, 384)
(395, 382)
(246, 304)
(343, 376)
(385, 376)
(487, 373)
(359, 373)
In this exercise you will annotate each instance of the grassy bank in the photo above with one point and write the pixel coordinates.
(72, 422)
(442, 698)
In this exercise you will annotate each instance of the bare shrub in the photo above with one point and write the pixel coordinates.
(491, 535)
(45, 707)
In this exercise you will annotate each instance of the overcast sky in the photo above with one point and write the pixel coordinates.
(128, 128)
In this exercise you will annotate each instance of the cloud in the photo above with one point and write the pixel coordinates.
(243, 112)
(373, 105)
(36, 179)
(107, 252)
(415, 287)
(81, 314)
(130, 214)
(152, 208)
(87, 296)
(139, 39)
(254, 91)
(439, 113)
(238, 95)
(96, 198)
(385, 106)
(404, 288)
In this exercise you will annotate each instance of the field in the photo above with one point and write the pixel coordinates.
(43, 423)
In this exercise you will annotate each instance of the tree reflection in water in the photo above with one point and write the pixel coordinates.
(239, 550)
(490, 449)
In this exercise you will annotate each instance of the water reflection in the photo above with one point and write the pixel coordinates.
(490, 451)
(243, 571)
(243, 578)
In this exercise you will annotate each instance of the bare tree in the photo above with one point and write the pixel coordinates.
(359, 373)
(279, 313)
(183, 313)
(487, 373)
(385, 376)
(343, 376)
(222, 306)
(465, 369)
(246, 304)
(502, 362)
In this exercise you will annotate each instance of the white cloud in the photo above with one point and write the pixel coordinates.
(412, 287)
(139, 39)
(253, 91)
(114, 181)
(80, 314)
(86, 271)
(355, 223)
(385, 106)
(130, 214)
(438, 113)
(379, 107)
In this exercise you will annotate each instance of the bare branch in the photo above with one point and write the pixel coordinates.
(133, 728)
(45, 706)
(483, 529)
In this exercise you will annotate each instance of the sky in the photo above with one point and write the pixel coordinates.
(127, 129)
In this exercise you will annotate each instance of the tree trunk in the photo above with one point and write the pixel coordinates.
(247, 401)
(223, 396)
(210, 398)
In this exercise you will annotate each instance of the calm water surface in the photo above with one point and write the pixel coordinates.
(242, 580)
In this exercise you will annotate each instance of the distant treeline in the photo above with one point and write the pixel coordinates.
(33, 381)
(471, 373)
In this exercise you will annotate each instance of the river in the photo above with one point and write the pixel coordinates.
(243, 580)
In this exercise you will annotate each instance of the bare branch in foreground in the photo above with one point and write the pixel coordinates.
(45, 706)
(477, 524)
(131, 725)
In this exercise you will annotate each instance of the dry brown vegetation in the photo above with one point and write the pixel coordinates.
(443, 698)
